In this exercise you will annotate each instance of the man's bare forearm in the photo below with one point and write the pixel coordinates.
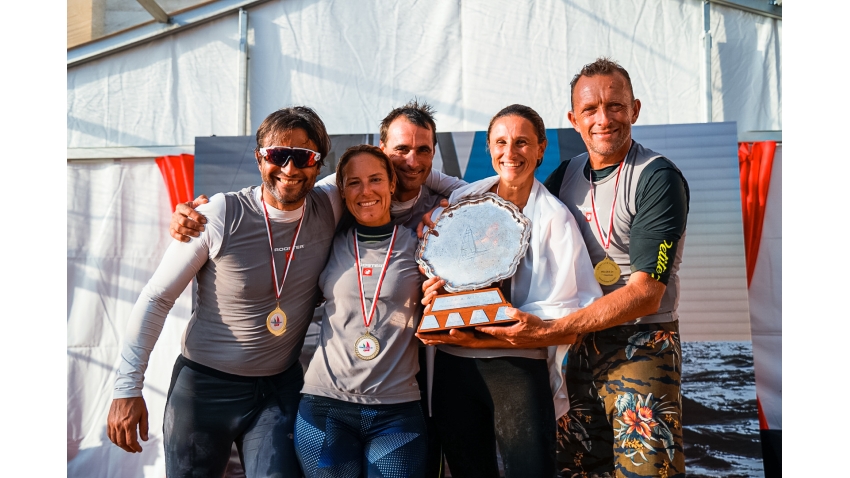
(640, 297)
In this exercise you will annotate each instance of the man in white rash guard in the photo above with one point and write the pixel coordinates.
(257, 264)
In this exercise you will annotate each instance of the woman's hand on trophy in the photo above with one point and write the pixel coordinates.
(431, 288)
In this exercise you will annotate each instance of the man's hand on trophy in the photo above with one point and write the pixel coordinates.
(530, 331)
(427, 223)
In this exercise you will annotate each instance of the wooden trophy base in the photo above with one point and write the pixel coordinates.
(466, 309)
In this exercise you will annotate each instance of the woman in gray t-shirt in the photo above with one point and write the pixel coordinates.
(360, 414)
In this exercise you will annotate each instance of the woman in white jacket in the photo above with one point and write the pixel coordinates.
(483, 393)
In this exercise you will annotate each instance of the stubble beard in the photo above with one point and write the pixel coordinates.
(291, 198)
(608, 149)
(409, 186)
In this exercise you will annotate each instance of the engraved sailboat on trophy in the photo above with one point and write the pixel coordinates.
(469, 248)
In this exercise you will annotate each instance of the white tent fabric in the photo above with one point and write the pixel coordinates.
(118, 215)
(746, 69)
(158, 94)
(354, 61)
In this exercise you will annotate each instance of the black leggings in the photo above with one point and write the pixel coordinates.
(478, 402)
(208, 410)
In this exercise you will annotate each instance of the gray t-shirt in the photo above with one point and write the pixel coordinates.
(228, 329)
(410, 217)
(335, 370)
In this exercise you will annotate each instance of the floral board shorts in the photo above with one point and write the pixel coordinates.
(625, 415)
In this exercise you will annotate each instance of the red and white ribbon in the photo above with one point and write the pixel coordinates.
(367, 320)
(278, 288)
(606, 238)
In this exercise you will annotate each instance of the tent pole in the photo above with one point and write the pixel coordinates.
(706, 34)
(242, 100)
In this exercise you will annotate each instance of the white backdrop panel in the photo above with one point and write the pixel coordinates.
(766, 303)
(354, 62)
(118, 215)
(746, 69)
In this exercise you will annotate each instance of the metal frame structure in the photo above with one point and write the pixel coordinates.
(145, 33)
(167, 25)
(768, 8)
(155, 10)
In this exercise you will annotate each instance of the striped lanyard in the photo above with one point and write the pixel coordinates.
(606, 238)
(367, 320)
(278, 288)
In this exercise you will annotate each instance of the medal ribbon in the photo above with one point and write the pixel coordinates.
(367, 321)
(606, 238)
(279, 288)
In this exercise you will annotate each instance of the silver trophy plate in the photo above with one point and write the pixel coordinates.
(481, 241)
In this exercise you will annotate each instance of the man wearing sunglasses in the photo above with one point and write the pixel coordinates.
(238, 378)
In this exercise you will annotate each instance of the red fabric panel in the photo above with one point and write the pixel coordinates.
(178, 172)
(756, 162)
(762, 420)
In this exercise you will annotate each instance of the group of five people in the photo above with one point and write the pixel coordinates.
(264, 257)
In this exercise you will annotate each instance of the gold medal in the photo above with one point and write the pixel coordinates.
(607, 272)
(367, 347)
(276, 321)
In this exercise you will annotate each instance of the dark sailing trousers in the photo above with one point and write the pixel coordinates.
(207, 411)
